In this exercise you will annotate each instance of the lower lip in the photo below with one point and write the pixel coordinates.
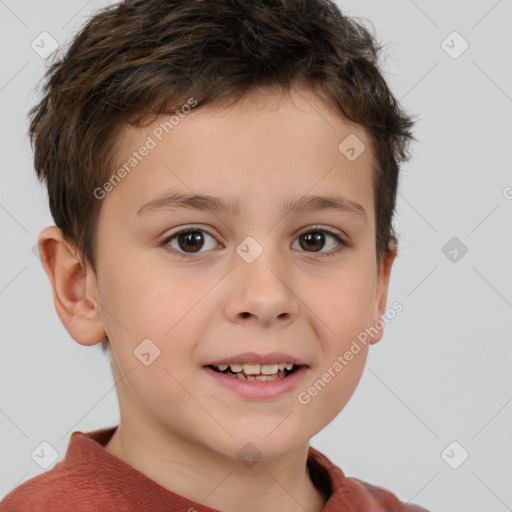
(259, 389)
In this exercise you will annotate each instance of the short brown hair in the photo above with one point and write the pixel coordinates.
(141, 58)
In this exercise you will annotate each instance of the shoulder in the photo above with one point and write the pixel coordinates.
(360, 495)
(388, 501)
(56, 490)
(79, 482)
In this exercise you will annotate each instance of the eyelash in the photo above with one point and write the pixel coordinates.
(342, 247)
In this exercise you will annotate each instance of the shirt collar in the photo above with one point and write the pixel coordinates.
(86, 453)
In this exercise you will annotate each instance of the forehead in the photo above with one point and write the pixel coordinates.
(268, 145)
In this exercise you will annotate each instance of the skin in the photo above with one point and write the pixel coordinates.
(176, 427)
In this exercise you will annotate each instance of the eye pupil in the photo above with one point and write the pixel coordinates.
(312, 237)
(191, 240)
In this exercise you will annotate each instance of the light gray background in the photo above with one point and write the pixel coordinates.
(442, 371)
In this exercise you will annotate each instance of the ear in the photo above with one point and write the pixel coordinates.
(73, 285)
(381, 291)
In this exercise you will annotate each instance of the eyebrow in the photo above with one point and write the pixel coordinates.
(309, 203)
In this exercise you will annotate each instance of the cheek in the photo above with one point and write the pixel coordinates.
(344, 310)
(331, 386)
(169, 311)
(149, 301)
(340, 383)
(344, 305)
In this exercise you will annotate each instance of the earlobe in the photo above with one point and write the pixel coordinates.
(381, 293)
(70, 282)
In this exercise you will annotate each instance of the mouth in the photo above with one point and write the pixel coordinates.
(260, 377)
(252, 383)
(258, 372)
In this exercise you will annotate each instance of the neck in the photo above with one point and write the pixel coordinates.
(214, 480)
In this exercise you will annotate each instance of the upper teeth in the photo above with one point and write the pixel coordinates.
(255, 369)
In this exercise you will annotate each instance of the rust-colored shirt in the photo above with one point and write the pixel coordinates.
(90, 479)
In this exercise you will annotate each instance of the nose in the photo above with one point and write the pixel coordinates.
(262, 292)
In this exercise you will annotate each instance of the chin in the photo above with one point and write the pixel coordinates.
(263, 443)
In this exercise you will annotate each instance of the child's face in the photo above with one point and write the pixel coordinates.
(298, 297)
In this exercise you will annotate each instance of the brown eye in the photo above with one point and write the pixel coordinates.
(316, 239)
(188, 242)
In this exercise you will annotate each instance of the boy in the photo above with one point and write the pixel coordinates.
(223, 178)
